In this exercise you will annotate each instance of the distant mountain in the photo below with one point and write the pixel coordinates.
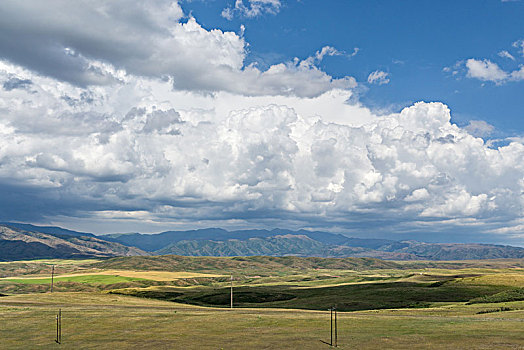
(17, 244)
(278, 242)
(51, 230)
(25, 241)
(159, 241)
(296, 245)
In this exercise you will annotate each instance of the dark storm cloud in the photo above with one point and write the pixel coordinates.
(57, 38)
(98, 42)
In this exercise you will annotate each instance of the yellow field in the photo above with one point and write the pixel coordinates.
(150, 275)
(506, 279)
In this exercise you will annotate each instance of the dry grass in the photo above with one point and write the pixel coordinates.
(502, 279)
(98, 321)
(150, 275)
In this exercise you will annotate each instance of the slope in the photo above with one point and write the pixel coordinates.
(16, 244)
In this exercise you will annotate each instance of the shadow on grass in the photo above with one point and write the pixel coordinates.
(355, 297)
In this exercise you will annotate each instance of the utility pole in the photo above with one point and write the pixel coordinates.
(52, 277)
(59, 327)
(331, 328)
(333, 312)
(231, 291)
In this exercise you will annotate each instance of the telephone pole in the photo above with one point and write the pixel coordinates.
(331, 328)
(333, 312)
(59, 327)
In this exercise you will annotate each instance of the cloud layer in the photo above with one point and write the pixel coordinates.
(125, 151)
(168, 125)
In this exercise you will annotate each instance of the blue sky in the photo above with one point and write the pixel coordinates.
(400, 120)
(413, 41)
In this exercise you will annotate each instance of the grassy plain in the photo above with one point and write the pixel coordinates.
(279, 304)
(103, 321)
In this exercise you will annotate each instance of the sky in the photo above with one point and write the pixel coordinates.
(383, 119)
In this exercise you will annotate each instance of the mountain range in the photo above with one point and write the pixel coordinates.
(281, 242)
(22, 241)
(25, 241)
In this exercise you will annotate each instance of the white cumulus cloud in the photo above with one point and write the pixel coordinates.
(488, 71)
(141, 147)
(479, 128)
(485, 70)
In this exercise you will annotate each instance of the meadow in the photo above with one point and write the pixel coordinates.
(278, 304)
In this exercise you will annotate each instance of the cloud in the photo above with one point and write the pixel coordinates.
(479, 128)
(15, 83)
(506, 54)
(98, 44)
(517, 75)
(485, 70)
(378, 77)
(356, 50)
(328, 51)
(519, 44)
(254, 8)
(177, 156)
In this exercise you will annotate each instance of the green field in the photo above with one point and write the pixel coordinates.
(279, 304)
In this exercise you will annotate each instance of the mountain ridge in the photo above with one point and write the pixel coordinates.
(220, 242)
(16, 244)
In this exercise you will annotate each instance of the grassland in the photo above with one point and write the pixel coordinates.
(81, 278)
(102, 321)
(280, 303)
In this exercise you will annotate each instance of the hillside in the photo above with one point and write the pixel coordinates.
(278, 242)
(17, 244)
(258, 263)
(51, 230)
